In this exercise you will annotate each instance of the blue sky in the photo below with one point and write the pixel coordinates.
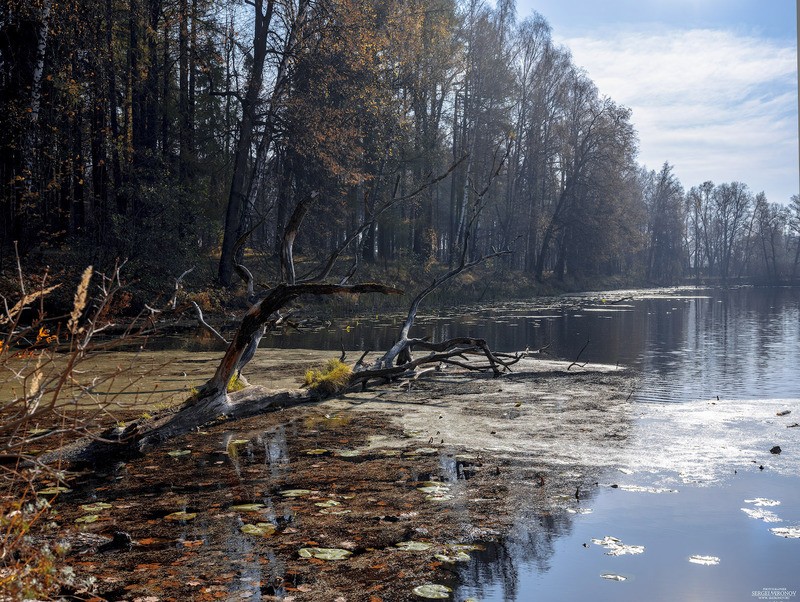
(712, 83)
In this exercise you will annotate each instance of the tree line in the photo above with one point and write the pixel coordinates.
(423, 131)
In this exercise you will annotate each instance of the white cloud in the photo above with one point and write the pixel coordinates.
(718, 105)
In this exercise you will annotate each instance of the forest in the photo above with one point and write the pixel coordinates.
(173, 133)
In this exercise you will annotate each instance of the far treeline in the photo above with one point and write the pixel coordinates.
(172, 132)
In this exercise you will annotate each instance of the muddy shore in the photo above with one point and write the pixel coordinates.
(405, 482)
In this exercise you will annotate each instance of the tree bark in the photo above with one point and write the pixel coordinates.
(238, 189)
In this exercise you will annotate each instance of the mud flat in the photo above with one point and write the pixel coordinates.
(387, 494)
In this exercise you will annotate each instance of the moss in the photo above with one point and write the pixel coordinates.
(236, 383)
(334, 378)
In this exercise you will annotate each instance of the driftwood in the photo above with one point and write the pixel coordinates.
(212, 401)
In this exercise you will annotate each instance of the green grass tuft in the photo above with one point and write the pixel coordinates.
(333, 379)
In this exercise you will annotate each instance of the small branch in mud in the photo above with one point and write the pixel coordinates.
(578, 357)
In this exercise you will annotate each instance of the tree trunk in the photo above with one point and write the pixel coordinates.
(239, 181)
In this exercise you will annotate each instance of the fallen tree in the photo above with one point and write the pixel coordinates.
(213, 402)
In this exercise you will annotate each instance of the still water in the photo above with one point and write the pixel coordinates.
(697, 477)
(689, 344)
(719, 370)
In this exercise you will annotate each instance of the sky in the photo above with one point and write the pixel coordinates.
(712, 83)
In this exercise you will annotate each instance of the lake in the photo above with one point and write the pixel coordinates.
(703, 493)
(741, 343)
(679, 496)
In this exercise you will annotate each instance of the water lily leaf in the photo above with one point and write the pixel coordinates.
(411, 434)
(325, 553)
(788, 532)
(315, 452)
(613, 577)
(328, 504)
(295, 492)
(348, 453)
(335, 512)
(456, 557)
(615, 547)
(247, 507)
(96, 507)
(413, 546)
(606, 541)
(389, 453)
(239, 442)
(177, 453)
(53, 490)
(466, 547)
(260, 529)
(434, 487)
(762, 501)
(427, 451)
(761, 514)
(89, 518)
(439, 497)
(433, 591)
(181, 516)
(706, 560)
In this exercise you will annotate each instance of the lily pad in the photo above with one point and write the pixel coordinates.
(434, 487)
(295, 492)
(54, 490)
(706, 560)
(325, 553)
(239, 442)
(89, 518)
(762, 501)
(247, 507)
(335, 512)
(613, 577)
(466, 547)
(413, 546)
(96, 507)
(177, 453)
(315, 452)
(328, 504)
(260, 529)
(455, 557)
(787, 532)
(389, 453)
(439, 497)
(615, 547)
(761, 514)
(426, 451)
(433, 591)
(348, 453)
(181, 516)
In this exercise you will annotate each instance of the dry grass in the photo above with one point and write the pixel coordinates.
(333, 379)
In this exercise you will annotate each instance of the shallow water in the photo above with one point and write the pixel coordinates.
(672, 527)
(705, 457)
(684, 470)
(740, 343)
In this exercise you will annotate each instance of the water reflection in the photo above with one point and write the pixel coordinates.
(690, 344)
